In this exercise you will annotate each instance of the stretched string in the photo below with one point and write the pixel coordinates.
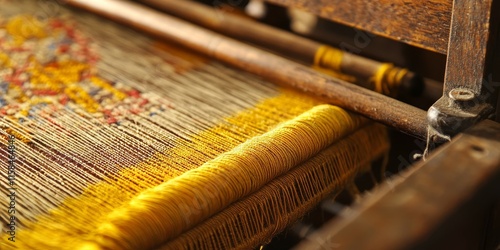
(111, 132)
(254, 219)
(174, 206)
(78, 162)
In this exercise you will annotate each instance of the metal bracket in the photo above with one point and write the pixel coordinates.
(467, 96)
(455, 112)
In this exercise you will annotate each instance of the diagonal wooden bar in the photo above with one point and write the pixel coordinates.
(388, 111)
(285, 43)
(433, 199)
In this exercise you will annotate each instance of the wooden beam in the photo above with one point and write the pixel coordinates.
(424, 24)
(417, 210)
(473, 35)
(470, 94)
(279, 70)
(285, 43)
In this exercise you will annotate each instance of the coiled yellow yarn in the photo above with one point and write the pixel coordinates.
(388, 78)
(81, 175)
(164, 211)
(76, 218)
(254, 219)
(329, 58)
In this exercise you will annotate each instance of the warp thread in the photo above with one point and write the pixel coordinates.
(76, 218)
(253, 220)
(97, 167)
(221, 181)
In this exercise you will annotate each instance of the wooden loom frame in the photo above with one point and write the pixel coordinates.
(467, 100)
(467, 32)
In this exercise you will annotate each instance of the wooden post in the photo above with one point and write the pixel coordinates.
(431, 205)
(470, 93)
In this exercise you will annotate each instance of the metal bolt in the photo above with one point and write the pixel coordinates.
(461, 94)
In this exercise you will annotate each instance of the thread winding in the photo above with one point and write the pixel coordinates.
(172, 207)
(103, 138)
(329, 58)
(388, 78)
(256, 218)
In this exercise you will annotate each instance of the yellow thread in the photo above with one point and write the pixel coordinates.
(388, 78)
(12, 127)
(329, 58)
(25, 27)
(379, 77)
(80, 97)
(173, 206)
(18, 135)
(5, 61)
(258, 217)
(397, 75)
(24, 112)
(72, 217)
(77, 217)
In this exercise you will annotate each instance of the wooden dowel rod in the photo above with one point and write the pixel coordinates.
(283, 42)
(239, 27)
(391, 112)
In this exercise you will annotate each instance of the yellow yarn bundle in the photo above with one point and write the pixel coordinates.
(165, 150)
(173, 206)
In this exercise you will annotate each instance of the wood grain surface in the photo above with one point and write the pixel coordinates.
(421, 207)
(424, 24)
(279, 70)
(472, 43)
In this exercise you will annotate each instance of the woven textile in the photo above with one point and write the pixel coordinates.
(123, 142)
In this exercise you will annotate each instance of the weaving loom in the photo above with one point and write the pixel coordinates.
(98, 146)
(182, 138)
